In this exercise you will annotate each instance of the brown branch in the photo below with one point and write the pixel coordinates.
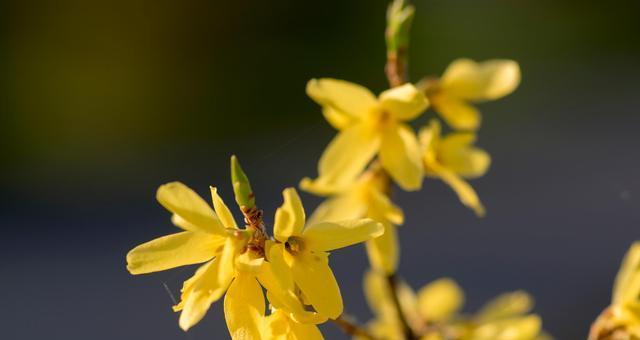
(350, 327)
(408, 332)
(396, 67)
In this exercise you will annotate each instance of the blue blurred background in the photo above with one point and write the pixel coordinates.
(102, 101)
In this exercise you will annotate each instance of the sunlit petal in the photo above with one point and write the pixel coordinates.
(244, 308)
(404, 102)
(179, 199)
(327, 236)
(401, 157)
(491, 79)
(223, 212)
(290, 217)
(346, 97)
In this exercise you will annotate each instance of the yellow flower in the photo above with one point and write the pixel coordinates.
(212, 237)
(439, 304)
(367, 198)
(466, 81)
(300, 255)
(368, 126)
(623, 316)
(453, 158)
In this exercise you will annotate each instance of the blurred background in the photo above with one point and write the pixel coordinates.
(103, 101)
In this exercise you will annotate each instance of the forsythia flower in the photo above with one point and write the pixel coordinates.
(466, 81)
(209, 236)
(434, 313)
(367, 198)
(368, 126)
(453, 158)
(300, 255)
(621, 320)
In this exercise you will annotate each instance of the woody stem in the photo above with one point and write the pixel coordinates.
(350, 327)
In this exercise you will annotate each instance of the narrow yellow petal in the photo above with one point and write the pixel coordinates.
(383, 251)
(223, 212)
(346, 97)
(346, 156)
(505, 306)
(440, 300)
(509, 329)
(488, 80)
(300, 331)
(348, 206)
(457, 113)
(465, 192)
(172, 251)
(189, 284)
(456, 152)
(207, 290)
(327, 236)
(312, 274)
(629, 269)
(244, 308)
(179, 199)
(401, 157)
(337, 119)
(290, 217)
(404, 102)
(381, 208)
(227, 262)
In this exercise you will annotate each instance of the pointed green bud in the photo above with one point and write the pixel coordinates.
(241, 187)
(399, 18)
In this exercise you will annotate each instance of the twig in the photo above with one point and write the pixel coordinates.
(351, 328)
(408, 332)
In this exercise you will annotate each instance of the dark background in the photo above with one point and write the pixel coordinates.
(102, 101)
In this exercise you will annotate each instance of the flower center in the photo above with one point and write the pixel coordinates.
(380, 119)
(294, 245)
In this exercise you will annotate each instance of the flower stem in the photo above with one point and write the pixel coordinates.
(350, 327)
(408, 332)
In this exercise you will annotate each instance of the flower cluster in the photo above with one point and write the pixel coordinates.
(621, 320)
(277, 283)
(243, 262)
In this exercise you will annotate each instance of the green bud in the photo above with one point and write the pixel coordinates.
(241, 187)
(399, 18)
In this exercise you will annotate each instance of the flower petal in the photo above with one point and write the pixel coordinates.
(327, 236)
(345, 158)
(290, 217)
(179, 199)
(488, 80)
(206, 290)
(381, 208)
(348, 206)
(456, 153)
(315, 279)
(440, 300)
(172, 251)
(337, 119)
(223, 212)
(404, 102)
(244, 308)
(457, 113)
(628, 273)
(465, 192)
(401, 157)
(506, 305)
(383, 251)
(346, 97)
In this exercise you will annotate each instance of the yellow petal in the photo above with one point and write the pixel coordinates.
(401, 157)
(312, 274)
(172, 251)
(346, 97)
(523, 328)
(465, 192)
(629, 269)
(440, 300)
(345, 158)
(404, 102)
(491, 79)
(179, 199)
(376, 292)
(381, 208)
(337, 119)
(279, 326)
(189, 284)
(300, 331)
(327, 236)
(505, 306)
(348, 206)
(223, 212)
(457, 113)
(244, 308)
(290, 216)
(231, 248)
(383, 251)
(207, 290)
(456, 153)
